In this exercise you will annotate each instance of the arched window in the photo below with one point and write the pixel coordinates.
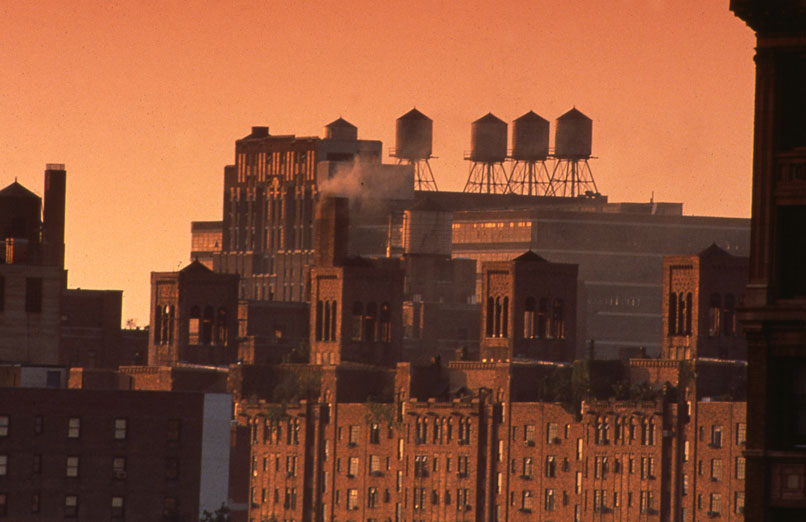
(157, 326)
(193, 325)
(167, 320)
(681, 314)
(497, 332)
(221, 326)
(370, 322)
(333, 320)
(207, 325)
(672, 314)
(327, 321)
(505, 318)
(714, 309)
(319, 317)
(358, 321)
(386, 323)
(543, 318)
(490, 316)
(689, 310)
(557, 320)
(729, 315)
(529, 318)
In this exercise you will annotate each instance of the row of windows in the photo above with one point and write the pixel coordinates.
(371, 324)
(442, 430)
(71, 505)
(72, 466)
(713, 503)
(119, 427)
(33, 294)
(543, 319)
(626, 430)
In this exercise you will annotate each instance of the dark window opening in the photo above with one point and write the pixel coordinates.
(791, 251)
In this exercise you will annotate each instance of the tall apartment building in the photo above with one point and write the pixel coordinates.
(775, 306)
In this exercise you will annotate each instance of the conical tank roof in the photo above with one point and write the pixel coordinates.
(340, 123)
(414, 114)
(490, 118)
(15, 190)
(574, 114)
(531, 116)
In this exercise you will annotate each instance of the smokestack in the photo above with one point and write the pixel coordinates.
(330, 231)
(53, 214)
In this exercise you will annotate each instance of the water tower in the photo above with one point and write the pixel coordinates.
(572, 174)
(530, 149)
(488, 150)
(413, 139)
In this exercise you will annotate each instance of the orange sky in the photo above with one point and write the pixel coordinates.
(143, 100)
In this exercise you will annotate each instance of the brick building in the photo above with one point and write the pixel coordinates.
(528, 310)
(703, 293)
(774, 314)
(112, 455)
(194, 317)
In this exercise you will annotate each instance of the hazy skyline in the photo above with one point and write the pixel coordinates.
(143, 101)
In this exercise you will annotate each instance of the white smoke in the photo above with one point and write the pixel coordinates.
(365, 180)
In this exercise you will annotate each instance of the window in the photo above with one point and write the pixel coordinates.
(552, 433)
(36, 469)
(193, 325)
(33, 295)
(741, 433)
(352, 499)
(738, 502)
(291, 466)
(579, 449)
(529, 330)
(716, 503)
(716, 436)
(463, 466)
(529, 434)
(119, 467)
(120, 429)
(647, 501)
(174, 430)
(551, 466)
(3, 465)
(353, 435)
(714, 311)
(740, 465)
(35, 503)
(578, 483)
(352, 467)
(550, 500)
(686, 448)
(684, 491)
(526, 501)
(375, 434)
(72, 466)
(716, 469)
(71, 506)
(375, 464)
(172, 468)
(372, 497)
(117, 507)
(73, 428)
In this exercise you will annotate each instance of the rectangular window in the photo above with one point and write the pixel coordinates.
(3, 465)
(33, 295)
(74, 428)
(174, 430)
(526, 501)
(738, 502)
(353, 435)
(552, 433)
(119, 467)
(36, 502)
(740, 465)
(375, 464)
(172, 468)
(37, 464)
(120, 429)
(741, 433)
(72, 466)
(529, 433)
(716, 503)
(716, 469)
(352, 468)
(117, 507)
(716, 436)
(549, 500)
(3, 425)
(70, 506)
(375, 434)
(352, 499)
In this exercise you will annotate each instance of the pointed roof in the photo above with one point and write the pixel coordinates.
(712, 251)
(15, 190)
(490, 118)
(573, 114)
(340, 123)
(530, 256)
(531, 116)
(196, 267)
(414, 114)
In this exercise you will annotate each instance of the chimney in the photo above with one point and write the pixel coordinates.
(330, 231)
(53, 215)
